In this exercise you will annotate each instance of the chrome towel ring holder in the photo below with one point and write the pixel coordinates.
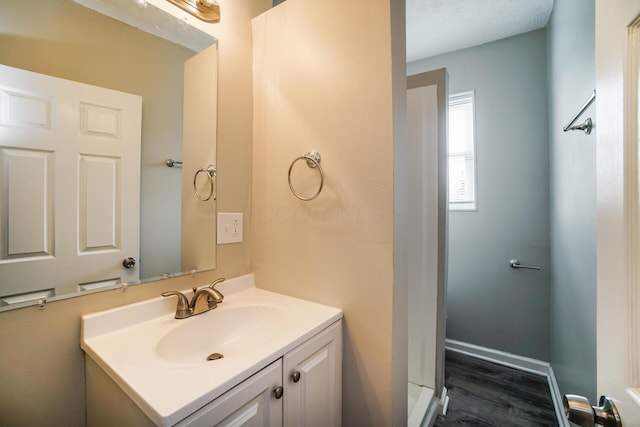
(211, 175)
(313, 161)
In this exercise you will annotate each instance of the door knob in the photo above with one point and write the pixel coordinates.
(579, 411)
(129, 262)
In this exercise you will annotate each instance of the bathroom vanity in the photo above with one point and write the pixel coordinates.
(258, 359)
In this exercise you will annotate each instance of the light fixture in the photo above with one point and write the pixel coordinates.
(207, 10)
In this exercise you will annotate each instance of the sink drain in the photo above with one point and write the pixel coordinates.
(215, 356)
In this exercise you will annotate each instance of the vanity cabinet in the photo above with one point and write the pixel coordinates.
(281, 365)
(303, 388)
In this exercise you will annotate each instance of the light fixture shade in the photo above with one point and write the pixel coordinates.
(207, 10)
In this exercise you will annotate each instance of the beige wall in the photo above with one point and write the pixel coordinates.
(323, 79)
(41, 364)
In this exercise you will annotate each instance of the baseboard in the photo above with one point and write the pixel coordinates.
(522, 363)
(515, 361)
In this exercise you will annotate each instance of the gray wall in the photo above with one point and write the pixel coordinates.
(488, 303)
(571, 53)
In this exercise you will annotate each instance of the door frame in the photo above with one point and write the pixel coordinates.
(439, 78)
(618, 222)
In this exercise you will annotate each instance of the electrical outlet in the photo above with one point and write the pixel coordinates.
(229, 228)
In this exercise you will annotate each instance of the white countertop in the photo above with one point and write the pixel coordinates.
(130, 343)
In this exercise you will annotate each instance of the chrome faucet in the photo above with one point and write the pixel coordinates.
(204, 299)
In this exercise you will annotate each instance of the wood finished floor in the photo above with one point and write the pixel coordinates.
(486, 394)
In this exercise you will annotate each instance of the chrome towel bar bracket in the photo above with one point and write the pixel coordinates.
(514, 263)
(587, 125)
(313, 161)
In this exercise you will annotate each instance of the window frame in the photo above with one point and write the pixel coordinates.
(458, 98)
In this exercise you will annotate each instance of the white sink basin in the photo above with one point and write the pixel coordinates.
(147, 352)
(229, 332)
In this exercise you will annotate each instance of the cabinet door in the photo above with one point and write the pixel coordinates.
(252, 403)
(313, 381)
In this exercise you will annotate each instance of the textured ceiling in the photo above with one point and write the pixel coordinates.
(439, 26)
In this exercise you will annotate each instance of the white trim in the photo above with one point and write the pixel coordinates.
(526, 364)
(427, 407)
(422, 406)
(557, 399)
(631, 196)
(444, 400)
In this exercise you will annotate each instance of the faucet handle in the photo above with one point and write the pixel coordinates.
(215, 282)
(205, 299)
(212, 286)
(182, 309)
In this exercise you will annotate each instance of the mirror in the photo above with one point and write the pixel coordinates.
(67, 40)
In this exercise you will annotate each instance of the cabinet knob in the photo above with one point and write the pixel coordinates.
(278, 392)
(295, 376)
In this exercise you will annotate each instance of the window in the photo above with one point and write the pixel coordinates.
(462, 159)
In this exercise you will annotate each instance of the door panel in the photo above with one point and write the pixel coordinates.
(29, 220)
(99, 198)
(20, 109)
(100, 120)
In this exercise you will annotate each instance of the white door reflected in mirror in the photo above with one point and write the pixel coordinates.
(74, 151)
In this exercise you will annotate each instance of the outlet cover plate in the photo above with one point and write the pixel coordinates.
(229, 228)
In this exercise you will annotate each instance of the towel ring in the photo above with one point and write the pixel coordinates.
(211, 174)
(313, 161)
